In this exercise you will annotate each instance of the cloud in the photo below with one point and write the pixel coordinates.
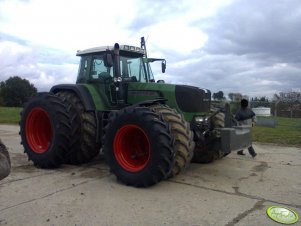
(66, 24)
(29, 62)
(252, 47)
(168, 26)
(258, 27)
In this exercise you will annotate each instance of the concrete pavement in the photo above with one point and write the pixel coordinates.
(236, 190)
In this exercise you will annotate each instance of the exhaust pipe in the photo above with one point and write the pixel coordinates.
(117, 76)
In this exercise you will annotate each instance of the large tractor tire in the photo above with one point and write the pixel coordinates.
(218, 120)
(45, 129)
(83, 145)
(138, 146)
(184, 144)
(206, 151)
(5, 163)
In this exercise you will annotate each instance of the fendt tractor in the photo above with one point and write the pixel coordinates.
(147, 131)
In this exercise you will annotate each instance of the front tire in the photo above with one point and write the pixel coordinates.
(184, 143)
(138, 146)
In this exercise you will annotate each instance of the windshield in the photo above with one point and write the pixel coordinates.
(133, 69)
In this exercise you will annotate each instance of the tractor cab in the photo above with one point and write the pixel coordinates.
(112, 68)
(116, 63)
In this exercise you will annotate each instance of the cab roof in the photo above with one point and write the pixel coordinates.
(125, 48)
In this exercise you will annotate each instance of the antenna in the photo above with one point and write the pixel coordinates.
(143, 46)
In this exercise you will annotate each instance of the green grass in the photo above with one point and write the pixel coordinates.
(10, 115)
(286, 132)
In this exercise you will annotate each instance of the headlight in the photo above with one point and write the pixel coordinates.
(199, 119)
(118, 79)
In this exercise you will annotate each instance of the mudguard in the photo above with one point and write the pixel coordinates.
(80, 90)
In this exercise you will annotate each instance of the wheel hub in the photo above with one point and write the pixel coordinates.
(131, 148)
(38, 130)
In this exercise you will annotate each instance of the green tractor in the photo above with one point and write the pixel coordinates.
(148, 131)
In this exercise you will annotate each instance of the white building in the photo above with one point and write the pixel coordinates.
(262, 111)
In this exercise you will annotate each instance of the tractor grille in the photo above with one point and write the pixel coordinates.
(193, 99)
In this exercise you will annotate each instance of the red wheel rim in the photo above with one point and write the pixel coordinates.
(131, 148)
(38, 130)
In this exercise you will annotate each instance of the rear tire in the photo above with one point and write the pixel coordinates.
(45, 129)
(184, 143)
(138, 146)
(83, 145)
(218, 120)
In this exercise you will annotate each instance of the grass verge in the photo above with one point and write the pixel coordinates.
(10, 115)
(286, 132)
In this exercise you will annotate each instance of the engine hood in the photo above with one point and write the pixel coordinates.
(192, 99)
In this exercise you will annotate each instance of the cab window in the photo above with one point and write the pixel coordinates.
(99, 70)
(82, 70)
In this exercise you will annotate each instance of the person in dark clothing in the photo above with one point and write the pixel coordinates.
(4, 161)
(245, 116)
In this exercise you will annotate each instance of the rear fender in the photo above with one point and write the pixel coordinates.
(81, 91)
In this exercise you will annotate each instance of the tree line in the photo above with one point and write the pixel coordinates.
(232, 96)
(15, 91)
(287, 97)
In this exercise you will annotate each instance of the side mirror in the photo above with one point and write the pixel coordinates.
(108, 60)
(163, 65)
(160, 81)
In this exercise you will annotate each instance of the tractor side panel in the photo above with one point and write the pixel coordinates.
(189, 101)
(100, 99)
(138, 92)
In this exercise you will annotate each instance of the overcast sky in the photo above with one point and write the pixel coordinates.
(251, 47)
